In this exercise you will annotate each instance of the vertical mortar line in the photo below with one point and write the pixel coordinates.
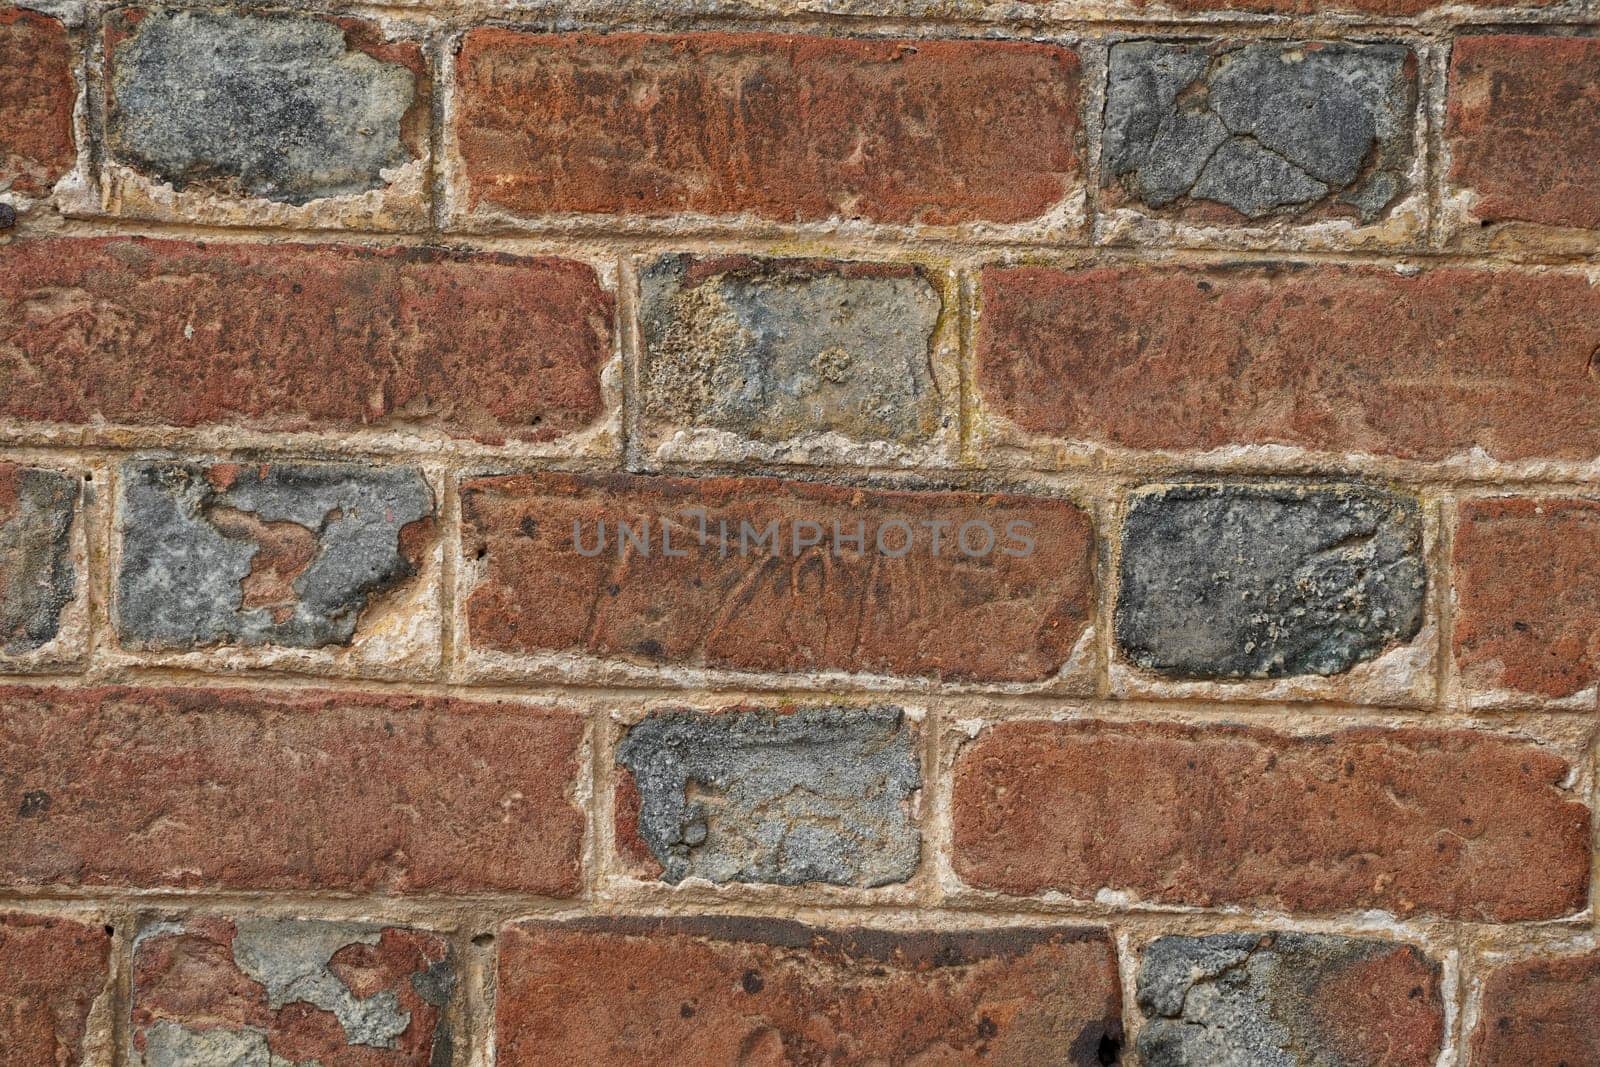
(449, 574)
(1095, 54)
(935, 809)
(1446, 515)
(125, 925)
(966, 353)
(438, 50)
(591, 775)
(1422, 135)
(1122, 938)
(100, 519)
(1434, 87)
(1106, 508)
(602, 786)
(1452, 998)
(629, 348)
(93, 31)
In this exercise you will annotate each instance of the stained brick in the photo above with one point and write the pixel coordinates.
(241, 789)
(1527, 597)
(1333, 358)
(1010, 614)
(766, 991)
(790, 796)
(51, 972)
(37, 574)
(37, 98)
(284, 554)
(1453, 823)
(252, 990)
(300, 337)
(1288, 998)
(780, 349)
(1539, 1011)
(785, 128)
(1523, 128)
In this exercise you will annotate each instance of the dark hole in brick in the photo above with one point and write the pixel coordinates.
(1109, 1051)
(987, 1027)
(752, 982)
(111, 931)
(483, 940)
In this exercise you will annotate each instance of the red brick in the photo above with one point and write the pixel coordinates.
(1523, 128)
(51, 971)
(784, 128)
(1527, 614)
(242, 789)
(997, 618)
(762, 991)
(1540, 1011)
(1330, 358)
(253, 989)
(37, 97)
(1380, 8)
(1409, 821)
(300, 337)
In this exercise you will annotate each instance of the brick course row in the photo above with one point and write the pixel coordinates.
(796, 129)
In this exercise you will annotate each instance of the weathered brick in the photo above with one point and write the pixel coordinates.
(1011, 614)
(1523, 128)
(786, 128)
(1451, 823)
(787, 797)
(779, 349)
(280, 554)
(37, 574)
(51, 972)
(1539, 1011)
(1302, 129)
(37, 97)
(244, 789)
(1248, 581)
(1527, 618)
(300, 337)
(1327, 357)
(1379, 8)
(283, 107)
(1289, 999)
(761, 991)
(259, 991)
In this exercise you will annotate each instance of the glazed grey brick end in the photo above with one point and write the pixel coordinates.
(777, 349)
(37, 576)
(1267, 581)
(1266, 129)
(278, 107)
(817, 795)
(1287, 1000)
(280, 554)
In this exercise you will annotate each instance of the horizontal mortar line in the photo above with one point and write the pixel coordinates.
(1095, 471)
(638, 238)
(989, 706)
(499, 909)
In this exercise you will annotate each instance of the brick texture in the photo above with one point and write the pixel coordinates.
(784, 128)
(37, 97)
(1527, 598)
(51, 973)
(300, 337)
(1523, 128)
(1539, 1011)
(249, 790)
(994, 617)
(766, 991)
(1331, 358)
(1409, 821)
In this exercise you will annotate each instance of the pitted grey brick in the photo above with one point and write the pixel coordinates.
(1267, 581)
(814, 795)
(37, 577)
(280, 554)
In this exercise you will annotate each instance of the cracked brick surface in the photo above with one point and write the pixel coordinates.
(788, 797)
(279, 554)
(1266, 129)
(245, 992)
(1288, 1000)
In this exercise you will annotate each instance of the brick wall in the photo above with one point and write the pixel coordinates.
(1169, 438)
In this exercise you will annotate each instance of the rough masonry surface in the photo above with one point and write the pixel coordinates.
(283, 554)
(37, 96)
(51, 973)
(1539, 1010)
(253, 992)
(278, 107)
(779, 349)
(1264, 128)
(37, 576)
(1267, 582)
(1287, 1000)
(811, 795)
